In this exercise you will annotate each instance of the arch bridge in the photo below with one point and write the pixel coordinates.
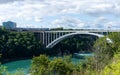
(51, 38)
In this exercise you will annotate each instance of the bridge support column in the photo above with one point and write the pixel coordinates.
(43, 38)
(56, 35)
(62, 34)
(51, 37)
(59, 34)
(48, 38)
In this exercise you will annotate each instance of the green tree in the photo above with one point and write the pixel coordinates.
(60, 67)
(115, 38)
(43, 66)
(19, 44)
(40, 65)
(17, 72)
(112, 68)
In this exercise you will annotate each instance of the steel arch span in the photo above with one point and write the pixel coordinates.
(56, 41)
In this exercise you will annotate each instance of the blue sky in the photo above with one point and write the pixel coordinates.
(74, 14)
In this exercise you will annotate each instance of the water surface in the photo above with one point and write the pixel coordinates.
(25, 64)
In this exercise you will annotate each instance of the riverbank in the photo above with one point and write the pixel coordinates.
(75, 55)
(3, 61)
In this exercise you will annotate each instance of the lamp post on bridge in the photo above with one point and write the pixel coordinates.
(108, 30)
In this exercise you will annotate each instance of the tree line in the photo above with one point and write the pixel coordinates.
(19, 45)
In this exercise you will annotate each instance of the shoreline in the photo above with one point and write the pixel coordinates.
(14, 59)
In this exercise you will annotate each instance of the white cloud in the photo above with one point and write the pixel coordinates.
(113, 24)
(46, 7)
(99, 22)
(75, 23)
(102, 22)
(37, 19)
(100, 8)
(68, 22)
(37, 9)
(7, 1)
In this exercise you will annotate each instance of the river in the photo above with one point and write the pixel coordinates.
(24, 65)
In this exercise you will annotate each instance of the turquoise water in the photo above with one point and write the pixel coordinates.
(25, 64)
(21, 64)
